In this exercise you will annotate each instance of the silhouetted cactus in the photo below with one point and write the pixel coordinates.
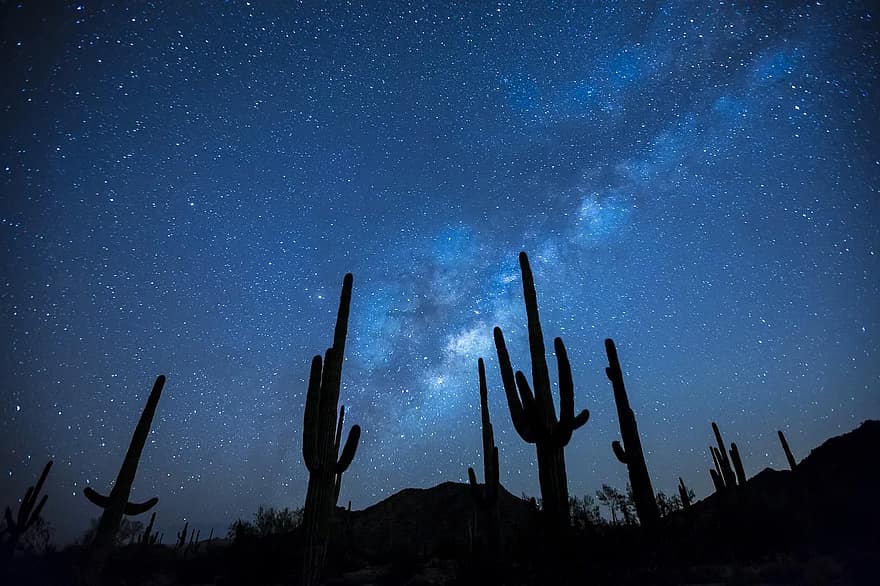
(181, 536)
(725, 467)
(117, 504)
(488, 493)
(683, 493)
(630, 453)
(737, 464)
(148, 537)
(321, 446)
(28, 512)
(486, 496)
(717, 480)
(534, 414)
(729, 471)
(788, 455)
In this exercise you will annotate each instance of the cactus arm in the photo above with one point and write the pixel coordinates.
(339, 422)
(348, 452)
(472, 477)
(310, 417)
(525, 393)
(521, 420)
(568, 421)
(96, 498)
(566, 387)
(619, 452)
(566, 383)
(133, 509)
(581, 419)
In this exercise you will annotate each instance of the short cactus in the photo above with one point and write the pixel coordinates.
(148, 537)
(28, 512)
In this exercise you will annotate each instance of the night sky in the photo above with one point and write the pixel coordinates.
(183, 186)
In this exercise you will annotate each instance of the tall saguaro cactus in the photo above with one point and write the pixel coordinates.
(630, 453)
(534, 413)
(116, 504)
(322, 433)
(28, 512)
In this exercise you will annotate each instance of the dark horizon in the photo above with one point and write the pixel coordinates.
(185, 186)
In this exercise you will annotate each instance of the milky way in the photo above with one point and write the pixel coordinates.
(184, 186)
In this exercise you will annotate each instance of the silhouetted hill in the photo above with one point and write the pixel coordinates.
(430, 521)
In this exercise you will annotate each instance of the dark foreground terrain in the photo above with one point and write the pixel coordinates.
(817, 524)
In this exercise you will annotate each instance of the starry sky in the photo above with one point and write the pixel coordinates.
(183, 186)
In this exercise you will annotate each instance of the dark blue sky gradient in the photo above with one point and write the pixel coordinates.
(183, 186)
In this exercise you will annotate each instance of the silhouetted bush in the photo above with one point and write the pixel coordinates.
(267, 521)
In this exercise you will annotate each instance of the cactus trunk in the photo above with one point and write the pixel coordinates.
(630, 453)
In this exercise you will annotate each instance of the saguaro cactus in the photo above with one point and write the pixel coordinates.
(737, 464)
(630, 453)
(788, 455)
(683, 493)
(534, 414)
(486, 496)
(28, 512)
(148, 537)
(321, 445)
(116, 504)
(728, 471)
(489, 492)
